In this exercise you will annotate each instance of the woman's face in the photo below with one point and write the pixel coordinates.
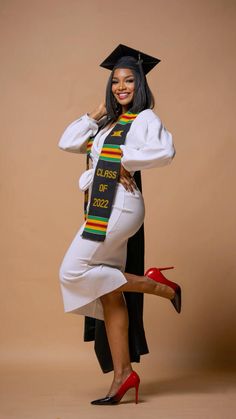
(123, 87)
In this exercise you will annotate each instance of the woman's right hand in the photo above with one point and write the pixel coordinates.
(127, 180)
(99, 112)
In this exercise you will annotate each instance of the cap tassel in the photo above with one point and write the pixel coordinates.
(140, 63)
(140, 60)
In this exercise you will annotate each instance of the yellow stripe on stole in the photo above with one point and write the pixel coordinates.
(95, 227)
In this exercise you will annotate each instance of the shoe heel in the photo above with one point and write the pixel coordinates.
(136, 393)
(163, 269)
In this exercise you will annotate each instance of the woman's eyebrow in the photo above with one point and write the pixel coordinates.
(130, 75)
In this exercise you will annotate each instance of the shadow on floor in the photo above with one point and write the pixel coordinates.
(208, 382)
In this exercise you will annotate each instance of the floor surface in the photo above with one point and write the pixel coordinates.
(58, 392)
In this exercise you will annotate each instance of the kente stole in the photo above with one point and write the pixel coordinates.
(105, 179)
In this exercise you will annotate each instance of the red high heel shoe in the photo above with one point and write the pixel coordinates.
(156, 275)
(132, 380)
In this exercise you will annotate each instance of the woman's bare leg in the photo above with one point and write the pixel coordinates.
(138, 283)
(117, 321)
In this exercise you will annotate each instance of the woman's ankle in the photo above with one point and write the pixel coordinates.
(119, 375)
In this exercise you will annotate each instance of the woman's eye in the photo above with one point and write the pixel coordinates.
(114, 81)
(130, 81)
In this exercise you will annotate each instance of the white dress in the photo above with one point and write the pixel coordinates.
(91, 269)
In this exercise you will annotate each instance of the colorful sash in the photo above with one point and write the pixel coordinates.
(105, 179)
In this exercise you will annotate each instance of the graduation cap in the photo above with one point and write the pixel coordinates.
(148, 62)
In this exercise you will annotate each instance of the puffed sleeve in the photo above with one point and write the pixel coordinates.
(157, 147)
(76, 135)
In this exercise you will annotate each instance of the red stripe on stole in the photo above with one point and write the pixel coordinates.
(90, 223)
(116, 153)
(127, 117)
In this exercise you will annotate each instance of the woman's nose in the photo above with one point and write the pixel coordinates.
(121, 86)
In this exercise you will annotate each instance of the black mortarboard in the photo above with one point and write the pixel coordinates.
(148, 62)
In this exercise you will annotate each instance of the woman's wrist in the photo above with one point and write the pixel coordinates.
(98, 113)
(92, 118)
(95, 115)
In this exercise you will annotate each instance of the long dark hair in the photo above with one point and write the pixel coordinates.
(143, 97)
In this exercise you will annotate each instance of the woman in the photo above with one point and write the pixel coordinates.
(127, 137)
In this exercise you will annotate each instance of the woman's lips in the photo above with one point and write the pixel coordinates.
(122, 95)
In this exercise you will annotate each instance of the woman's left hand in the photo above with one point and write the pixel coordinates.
(127, 180)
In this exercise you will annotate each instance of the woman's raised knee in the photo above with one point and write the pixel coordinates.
(68, 272)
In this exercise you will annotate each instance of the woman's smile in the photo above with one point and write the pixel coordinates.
(123, 87)
(123, 95)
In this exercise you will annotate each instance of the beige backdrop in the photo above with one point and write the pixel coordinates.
(50, 75)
